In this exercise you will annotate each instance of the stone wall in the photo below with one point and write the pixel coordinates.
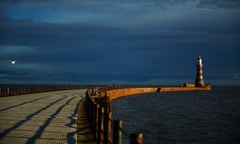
(179, 89)
(118, 93)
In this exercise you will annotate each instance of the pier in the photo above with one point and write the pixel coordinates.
(107, 130)
(73, 114)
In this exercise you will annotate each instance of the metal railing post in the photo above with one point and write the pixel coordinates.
(117, 133)
(136, 138)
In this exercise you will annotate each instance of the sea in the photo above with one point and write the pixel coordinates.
(197, 117)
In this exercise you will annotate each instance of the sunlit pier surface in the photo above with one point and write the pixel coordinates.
(49, 117)
(67, 116)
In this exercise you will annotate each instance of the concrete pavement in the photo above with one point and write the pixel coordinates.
(40, 118)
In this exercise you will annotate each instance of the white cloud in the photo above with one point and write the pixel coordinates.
(193, 2)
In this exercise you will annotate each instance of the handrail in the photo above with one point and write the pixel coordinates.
(12, 90)
(105, 130)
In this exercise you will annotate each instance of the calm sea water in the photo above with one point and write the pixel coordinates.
(184, 117)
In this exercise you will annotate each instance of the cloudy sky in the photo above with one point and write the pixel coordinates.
(121, 42)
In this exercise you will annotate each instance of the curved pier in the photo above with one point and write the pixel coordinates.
(71, 116)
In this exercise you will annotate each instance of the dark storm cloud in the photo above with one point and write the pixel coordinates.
(50, 41)
(138, 40)
(219, 3)
(52, 38)
(71, 46)
(76, 3)
(101, 11)
(50, 32)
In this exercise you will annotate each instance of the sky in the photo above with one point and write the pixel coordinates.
(119, 42)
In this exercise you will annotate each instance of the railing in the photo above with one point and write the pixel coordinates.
(11, 90)
(105, 130)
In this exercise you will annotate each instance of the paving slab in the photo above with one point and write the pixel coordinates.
(40, 118)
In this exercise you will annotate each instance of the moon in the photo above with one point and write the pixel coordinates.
(13, 61)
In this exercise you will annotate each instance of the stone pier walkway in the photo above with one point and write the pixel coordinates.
(40, 118)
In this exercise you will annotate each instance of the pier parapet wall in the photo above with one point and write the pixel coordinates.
(119, 93)
(98, 108)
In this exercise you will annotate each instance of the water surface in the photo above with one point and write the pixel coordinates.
(183, 117)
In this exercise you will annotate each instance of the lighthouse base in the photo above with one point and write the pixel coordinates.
(200, 83)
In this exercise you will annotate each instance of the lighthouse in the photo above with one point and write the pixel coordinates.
(199, 82)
